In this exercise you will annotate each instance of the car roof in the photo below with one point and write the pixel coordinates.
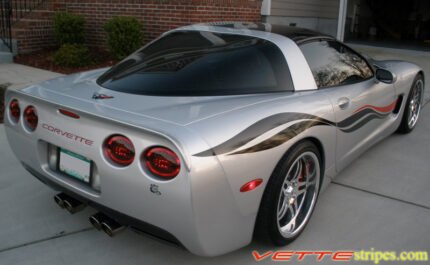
(297, 34)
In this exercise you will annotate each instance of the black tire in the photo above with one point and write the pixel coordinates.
(404, 126)
(266, 228)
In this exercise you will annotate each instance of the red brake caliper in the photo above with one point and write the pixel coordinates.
(303, 173)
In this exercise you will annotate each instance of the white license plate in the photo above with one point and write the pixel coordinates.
(74, 165)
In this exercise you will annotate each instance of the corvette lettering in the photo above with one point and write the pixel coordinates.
(66, 134)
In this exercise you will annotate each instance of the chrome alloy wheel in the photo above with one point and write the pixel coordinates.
(298, 194)
(415, 103)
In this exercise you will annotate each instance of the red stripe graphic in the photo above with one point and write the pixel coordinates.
(384, 109)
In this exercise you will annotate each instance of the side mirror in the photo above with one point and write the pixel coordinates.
(384, 76)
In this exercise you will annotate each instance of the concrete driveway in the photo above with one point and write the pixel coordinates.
(381, 201)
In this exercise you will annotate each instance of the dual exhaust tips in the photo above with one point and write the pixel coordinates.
(70, 204)
(106, 224)
(99, 220)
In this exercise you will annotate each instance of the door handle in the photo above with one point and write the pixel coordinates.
(343, 103)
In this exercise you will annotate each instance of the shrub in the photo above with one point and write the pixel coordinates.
(69, 28)
(72, 55)
(124, 35)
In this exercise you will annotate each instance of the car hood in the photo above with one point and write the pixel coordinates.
(178, 110)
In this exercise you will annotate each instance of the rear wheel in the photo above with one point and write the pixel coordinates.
(290, 195)
(413, 106)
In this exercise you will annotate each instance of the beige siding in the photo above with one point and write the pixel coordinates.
(305, 8)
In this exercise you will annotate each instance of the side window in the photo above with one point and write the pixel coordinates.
(334, 64)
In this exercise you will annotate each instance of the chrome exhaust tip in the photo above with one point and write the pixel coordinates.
(70, 204)
(59, 199)
(97, 219)
(111, 227)
(73, 206)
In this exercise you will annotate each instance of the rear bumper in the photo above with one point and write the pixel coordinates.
(197, 210)
(120, 217)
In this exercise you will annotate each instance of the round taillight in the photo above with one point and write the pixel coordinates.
(14, 110)
(119, 150)
(162, 162)
(30, 118)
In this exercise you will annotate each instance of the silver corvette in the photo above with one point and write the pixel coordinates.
(212, 134)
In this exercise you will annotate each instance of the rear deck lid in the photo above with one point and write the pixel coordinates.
(81, 91)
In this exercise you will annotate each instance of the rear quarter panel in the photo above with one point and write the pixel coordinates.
(241, 168)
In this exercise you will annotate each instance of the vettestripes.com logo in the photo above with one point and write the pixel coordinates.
(372, 255)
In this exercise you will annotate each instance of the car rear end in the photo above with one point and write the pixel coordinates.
(139, 175)
(123, 140)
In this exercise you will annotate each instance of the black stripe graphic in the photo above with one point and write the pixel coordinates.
(364, 122)
(256, 130)
(282, 137)
(355, 117)
(348, 125)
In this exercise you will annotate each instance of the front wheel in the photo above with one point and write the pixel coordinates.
(290, 195)
(413, 106)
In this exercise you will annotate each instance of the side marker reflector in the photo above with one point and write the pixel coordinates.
(251, 185)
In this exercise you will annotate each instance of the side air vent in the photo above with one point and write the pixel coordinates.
(398, 104)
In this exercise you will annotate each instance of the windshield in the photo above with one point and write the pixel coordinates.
(198, 63)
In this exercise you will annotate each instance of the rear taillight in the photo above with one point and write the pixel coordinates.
(14, 110)
(162, 162)
(119, 150)
(30, 118)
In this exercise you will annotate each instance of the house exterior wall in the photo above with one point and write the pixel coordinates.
(156, 16)
(319, 15)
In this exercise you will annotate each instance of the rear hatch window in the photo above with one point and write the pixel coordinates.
(200, 63)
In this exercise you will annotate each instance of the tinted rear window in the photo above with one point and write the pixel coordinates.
(194, 63)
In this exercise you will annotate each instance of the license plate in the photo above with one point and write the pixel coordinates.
(74, 165)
